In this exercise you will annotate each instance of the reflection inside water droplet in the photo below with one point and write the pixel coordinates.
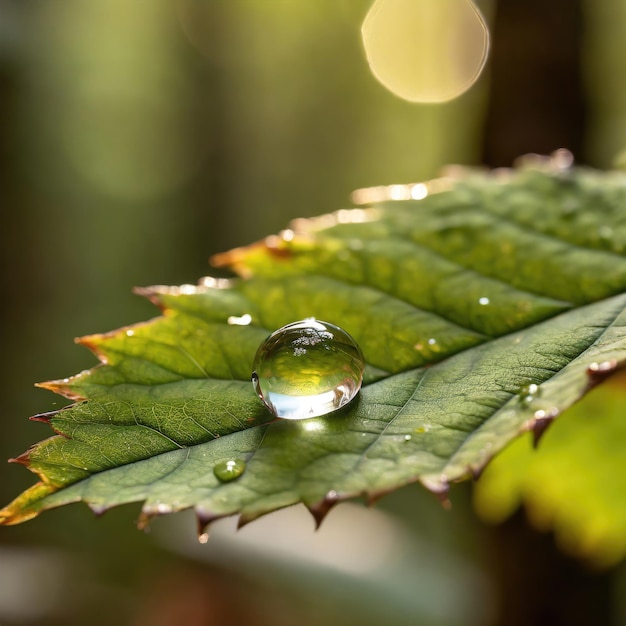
(229, 469)
(306, 369)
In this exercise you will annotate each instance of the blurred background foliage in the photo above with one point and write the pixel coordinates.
(138, 138)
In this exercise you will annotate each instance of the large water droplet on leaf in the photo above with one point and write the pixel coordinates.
(229, 469)
(307, 368)
(426, 50)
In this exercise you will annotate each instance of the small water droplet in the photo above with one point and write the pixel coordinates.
(432, 342)
(307, 369)
(215, 283)
(602, 368)
(562, 159)
(229, 469)
(528, 393)
(407, 437)
(203, 538)
(419, 191)
(483, 301)
(244, 320)
(399, 192)
(130, 332)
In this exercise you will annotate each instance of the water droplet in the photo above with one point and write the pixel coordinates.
(229, 470)
(432, 342)
(419, 191)
(215, 283)
(306, 369)
(399, 192)
(562, 159)
(244, 320)
(602, 368)
(483, 301)
(203, 538)
(407, 437)
(528, 393)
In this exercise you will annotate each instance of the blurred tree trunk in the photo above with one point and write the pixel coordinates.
(536, 102)
(538, 585)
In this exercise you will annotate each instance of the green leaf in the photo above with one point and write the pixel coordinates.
(483, 309)
(574, 484)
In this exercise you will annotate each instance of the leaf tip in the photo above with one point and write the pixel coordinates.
(150, 511)
(439, 486)
(97, 509)
(237, 259)
(27, 505)
(92, 343)
(150, 293)
(319, 510)
(540, 422)
(245, 518)
(203, 521)
(599, 371)
(22, 459)
(476, 471)
(46, 418)
(62, 387)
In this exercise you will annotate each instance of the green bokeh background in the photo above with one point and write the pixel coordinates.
(139, 138)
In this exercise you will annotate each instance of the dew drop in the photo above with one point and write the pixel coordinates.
(528, 393)
(602, 368)
(407, 437)
(331, 495)
(229, 469)
(244, 320)
(483, 301)
(307, 369)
